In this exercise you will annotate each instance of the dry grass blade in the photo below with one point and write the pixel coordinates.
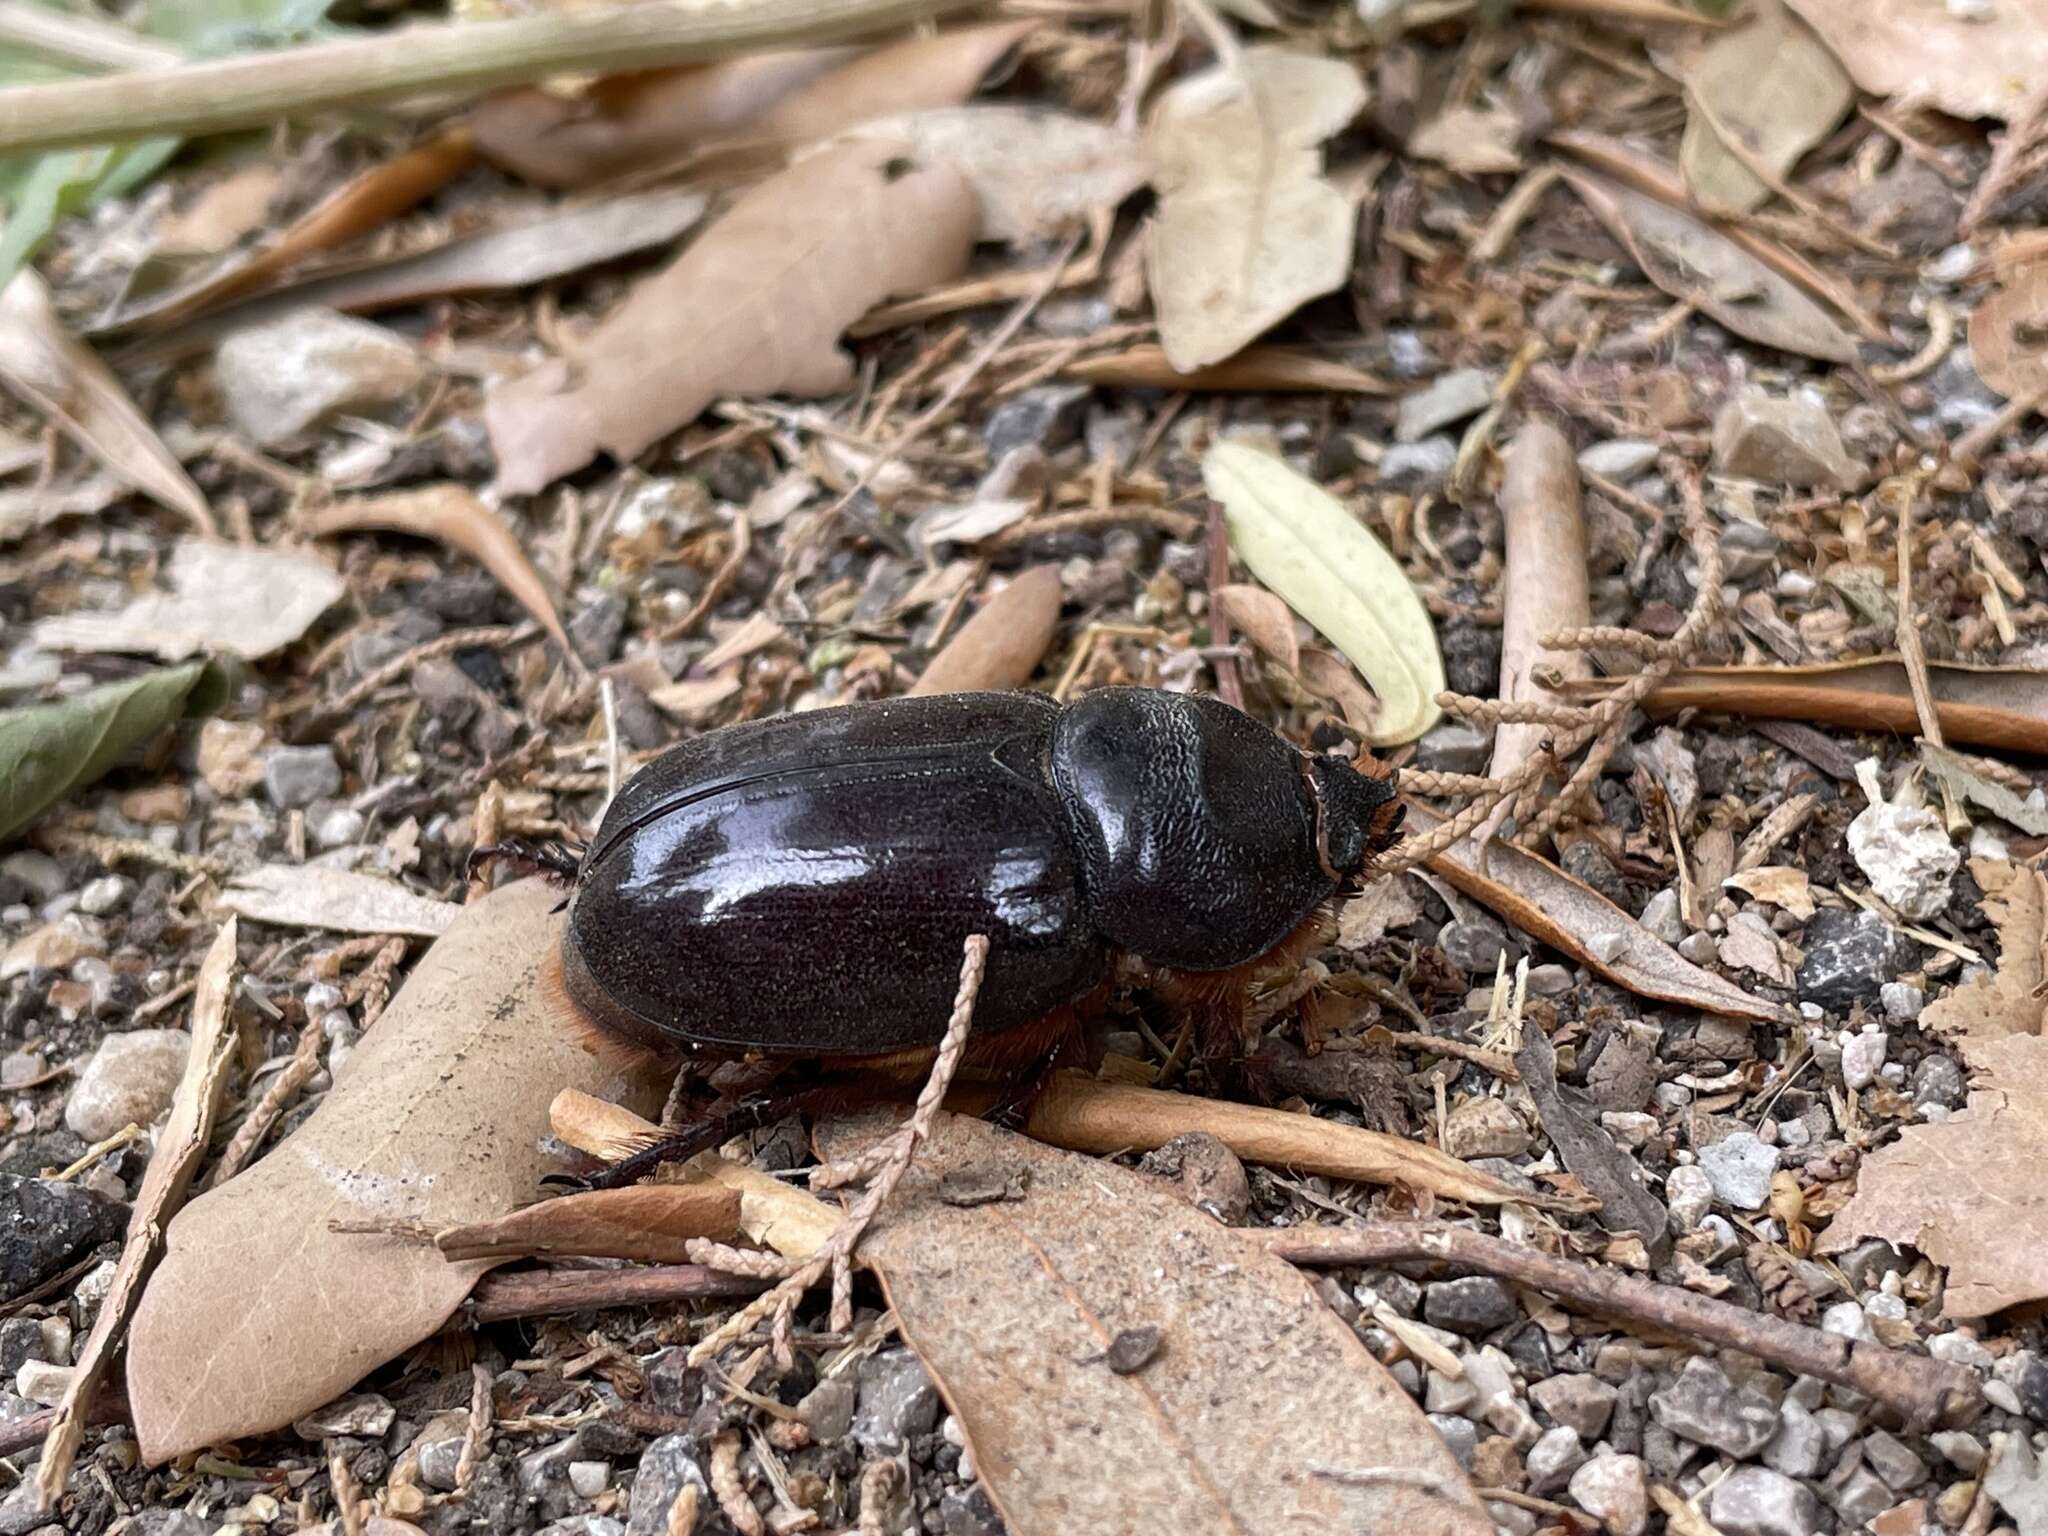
(179, 1148)
(755, 306)
(1278, 370)
(61, 378)
(1247, 230)
(453, 515)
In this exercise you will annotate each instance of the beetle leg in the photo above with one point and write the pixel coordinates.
(558, 861)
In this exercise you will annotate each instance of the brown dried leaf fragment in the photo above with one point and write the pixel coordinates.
(452, 515)
(1616, 1179)
(1248, 230)
(1002, 645)
(1774, 87)
(63, 379)
(756, 305)
(223, 600)
(1254, 1408)
(2007, 346)
(649, 1223)
(1968, 61)
(440, 1118)
(2013, 1000)
(1691, 260)
(1967, 1191)
(342, 900)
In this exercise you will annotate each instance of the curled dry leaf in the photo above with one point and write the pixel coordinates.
(341, 900)
(649, 1223)
(1035, 173)
(1986, 706)
(1607, 1169)
(1966, 1191)
(2013, 1000)
(755, 306)
(1969, 61)
(1779, 884)
(1247, 229)
(224, 599)
(2007, 346)
(1257, 1411)
(440, 1118)
(1002, 645)
(1302, 544)
(48, 750)
(1956, 774)
(180, 1147)
(1262, 370)
(1691, 260)
(566, 240)
(1774, 87)
(452, 515)
(1265, 620)
(63, 379)
(1548, 904)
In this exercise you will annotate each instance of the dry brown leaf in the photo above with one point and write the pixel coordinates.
(2006, 343)
(224, 599)
(28, 508)
(1258, 1409)
(628, 121)
(1473, 141)
(452, 515)
(1986, 706)
(1002, 645)
(1034, 172)
(2013, 999)
(1969, 61)
(344, 901)
(1331, 678)
(1966, 1191)
(1955, 774)
(1546, 903)
(63, 379)
(1776, 89)
(1543, 584)
(649, 1223)
(1247, 229)
(180, 1146)
(1269, 370)
(440, 1119)
(1779, 884)
(756, 305)
(368, 202)
(566, 240)
(1691, 260)
(1606, 1168)
(1264, 619)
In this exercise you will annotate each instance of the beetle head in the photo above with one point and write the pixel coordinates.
(1358, 814)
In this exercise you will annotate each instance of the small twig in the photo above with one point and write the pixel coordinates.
(608, 705)
(1924, 1390)
(81, 40)
(305, 1061)
(399, 667)
(503, 1295)
(1228, 684)
(1910, 651)
(729, 1489)
(477, 1438)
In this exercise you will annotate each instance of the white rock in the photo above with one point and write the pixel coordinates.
(281, 377)
(1689, 1195)
(1862, 1055)
(1615, 1491)
(1907, 856)
(590, 1478)
(1740, 1168)
(130, 1077)
(41, 1382)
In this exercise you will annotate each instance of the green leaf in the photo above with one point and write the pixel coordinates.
(1301, 543)
(49, 750)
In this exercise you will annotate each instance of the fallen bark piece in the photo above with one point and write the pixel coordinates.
(1544, 583)
(1248, 1406)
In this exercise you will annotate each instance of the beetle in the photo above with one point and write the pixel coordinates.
(794, 893)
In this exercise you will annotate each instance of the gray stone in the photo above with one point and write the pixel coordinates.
(130, 1078)
(1962, 1450)
(1460, 1436)
(583, 1525)
(968, 1512)
(897, 1400)
(1619, 458)
(1485, 1127)
(665, 1466)
(1047, 418)
(1838, 1424)
(1902, 1001)
(294, 777)
(1702, 1405)
(1740, 1169)
(1849, 958)
(1938, 1080)
(1551, 980)
(827, 1409)
(1615, 1491)
(1688, 1195)
(1417, 466)
(1755, 1501)
(1857, 1494)
(1800, 1445)
(1582, 1403)
(1893, 1460)
(1700, 948)
(1448, 1394)
(21, 1340)
(1454, 747)
(1473, 945)
(1863, 1054)
(337, 827)
(1451, 398)
(1472, 1305)
(1661, 916)
(1847, 1320)
(589, 1478)
(1782, 441)
(543, 1477)
(438, 1462)
(104, 895)
(279, 378)
(42, 876)
(1552, 1460)
(595, 628)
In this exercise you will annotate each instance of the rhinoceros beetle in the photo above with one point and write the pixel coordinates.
(794, 893)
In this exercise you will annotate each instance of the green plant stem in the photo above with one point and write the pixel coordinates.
(251, 90)
(81, 42)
